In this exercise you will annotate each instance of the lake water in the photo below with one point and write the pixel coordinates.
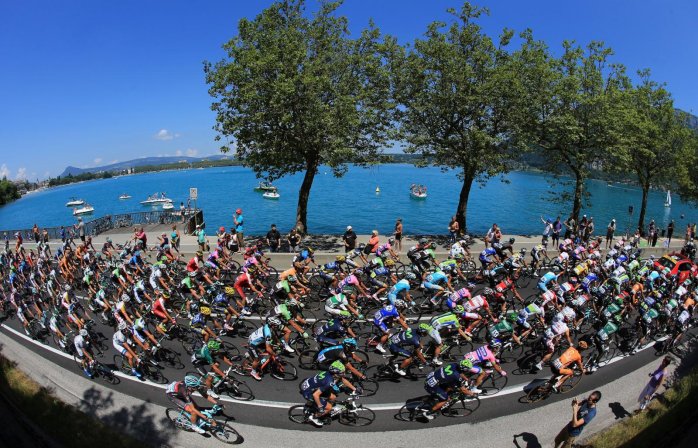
(334, 203)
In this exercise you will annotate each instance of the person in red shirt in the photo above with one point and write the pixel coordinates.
(196, 262)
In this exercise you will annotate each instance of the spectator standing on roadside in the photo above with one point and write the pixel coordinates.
(294, 240)
(583, 223)
(656, 380)
(6, 238)
(570, 227)
(273, 239)
(200, 237)
(453, 229)
(582, 414)
(372, 243)
(547, 231)
(557, 228)
(349, 239)
(36, 234)
(650, 231)
(398, 235)
(63, 235)
(669, 232)
(493, 235)
(175, 238)
(589, 230)
(80, 226)
(238, 221)
(655, 236)
(610, 230)
(181, 210)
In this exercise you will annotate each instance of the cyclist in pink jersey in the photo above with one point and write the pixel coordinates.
(480, 356)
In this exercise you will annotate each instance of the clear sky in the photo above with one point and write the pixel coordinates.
(89, 82)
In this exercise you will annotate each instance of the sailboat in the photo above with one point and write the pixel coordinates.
(667, 202)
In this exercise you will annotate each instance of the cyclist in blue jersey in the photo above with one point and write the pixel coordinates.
(407, 343)
(321, 389)
(384, 318)
(381, 276)
(441, 382)
(546, 281)
(261, 341)
(334, 330)
(401, 289)
(344, 352)
(488, 257)
(432, 282)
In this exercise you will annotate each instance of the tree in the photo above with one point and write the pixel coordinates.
(296, 93)
(8, 191)
(577, 123)
(456, 90)
(655, 138)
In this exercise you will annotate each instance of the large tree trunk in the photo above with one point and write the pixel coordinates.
(578, 195)
(643, 207)
(461, 211)
(304, 195)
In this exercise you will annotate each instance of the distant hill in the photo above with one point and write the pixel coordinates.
(692, 120)
(143, 161)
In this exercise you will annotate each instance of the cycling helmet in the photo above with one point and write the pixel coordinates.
(488, 292)
(350, 343)
(583, 345)
(274, 321)
(465, 364)
(67, 288)
(192, 274)
(125, 298)
(389, 262)
(336, 368)
(206, 311)
(463, 243)
(423, 241)
(459, 309)
(139, 324)
(522, 251)
(400, 304)
(84, 333)
(122, 325)
(344, 314)
(512, 240)
(423, 329)
(340, 258)
(192, 381)
(310, 250)
(291, 279)
(213, 345)
(411, 276)
(433, 246)
(495, 344)
(391, 240)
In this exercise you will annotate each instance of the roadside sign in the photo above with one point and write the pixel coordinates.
(193, 193)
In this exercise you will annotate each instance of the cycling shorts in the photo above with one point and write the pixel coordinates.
(472, 316)
(120, 348)
(560, 371)
(432, 286)
(178, 401)
(436, 336)
(437, 392)
(399, 350)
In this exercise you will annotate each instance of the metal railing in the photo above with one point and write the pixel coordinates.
(109, 222)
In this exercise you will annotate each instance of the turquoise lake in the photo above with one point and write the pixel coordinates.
(336, 202)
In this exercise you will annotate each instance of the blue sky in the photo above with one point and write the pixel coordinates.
(86, 82)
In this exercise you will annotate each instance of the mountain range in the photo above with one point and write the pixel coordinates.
(143, 161)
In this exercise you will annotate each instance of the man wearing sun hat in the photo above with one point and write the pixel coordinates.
(349, 239)
(238, 220)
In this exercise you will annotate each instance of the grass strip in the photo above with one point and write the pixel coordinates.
(661, 424)
(60, 421)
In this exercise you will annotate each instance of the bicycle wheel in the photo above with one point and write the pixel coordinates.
(105, 374)
(511, 353)
(153, 374)
(179, 419)
(284, 371)
(225, 433)
(238, 390)
(539, 393)
(494, 383)
(462, 408)
(571, 382)
(298, 414)
(306, 360)
(361, 416)
(456, 352)
(369, 387)
(243, 328)
(122, 364)
(170, 358)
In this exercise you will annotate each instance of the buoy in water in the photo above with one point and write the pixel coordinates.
(378, 189)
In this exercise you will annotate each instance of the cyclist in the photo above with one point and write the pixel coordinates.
(383, 319)
(180, 393)
(551, 337)
(471, 310)
(380, 272)
(407, 343)
(207, 355)
(321, 388)
(432, 284)
(401, 289)
(344, 352)
(338, 304)
(441, 382)
(290, 321)
(445, 323)
(334, 330)
(83, 351)
(121, 343)
(484, 355)
(261, 341)
(457, 298)
(559, 367)
(548, 280)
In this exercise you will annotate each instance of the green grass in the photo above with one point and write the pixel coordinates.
(661, 424)
(63, 423)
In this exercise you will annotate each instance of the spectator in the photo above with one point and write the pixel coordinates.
(372, 243)
(453, 229)
(398, 235)
(6, 238)
(669, 232)
(349, 239)
(80, 226)
(294, 240)
(655, 382)
(36, 234)
(63, 235)
(45, 237)
(610, 230)
(547, 231)
(655, 236)
(273, 239)
(141, 237)
(570, 227)
(583, 223)
(200, 237)
(493, 235)
(181, 211)
(233, 245)
(650, 231)
(589, 229)
(688, 233)
(175, 238)
(582, 414)
(557, 228)
(238, 221)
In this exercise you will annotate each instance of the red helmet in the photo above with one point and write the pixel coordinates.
(222, 229)
(238, 211)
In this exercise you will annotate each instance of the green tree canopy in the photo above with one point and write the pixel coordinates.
(8, 191)
(297, 92)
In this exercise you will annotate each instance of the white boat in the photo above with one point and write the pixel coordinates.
(418, 191)
(125, 196)
(667, 202)
(378, 189)
(167, 206)
(74, 202)
(272, 194)
(84, 210)
(155, 199)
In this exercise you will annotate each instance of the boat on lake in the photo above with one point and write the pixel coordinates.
(418, 191)
(667, 202)
(156, 199)
(84, 210)
(265, 186)
(74, 202)
(167, 206)
(125, 196)
(271, 194)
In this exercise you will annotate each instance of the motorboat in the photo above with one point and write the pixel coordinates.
(156, 199)
(74, 202)
(418, 191)
(84, 210)
(667, 202)
(167, 206)
(265, 186)
(125, 196)
(271, 194)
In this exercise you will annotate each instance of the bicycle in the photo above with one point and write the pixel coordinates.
(231, 386)
(545, 390)
(98, 370)
(278, 367)
(458, 405)
(222, 431)
(346, 412)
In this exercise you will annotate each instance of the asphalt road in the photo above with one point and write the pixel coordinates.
(274, 397)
